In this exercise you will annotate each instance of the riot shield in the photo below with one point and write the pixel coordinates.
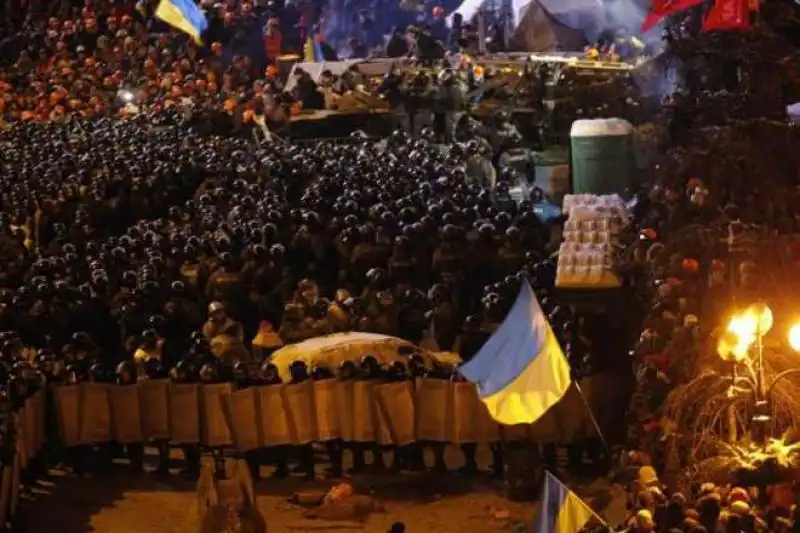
(396, 404)
(325, 410)
(68, 410)
(21, 454)
(214, 428)
(241, 416)
(433, 405)
(383, 431)
(471, 420)
(273, 422)
(344, 407)
(299, 401)
(184, 413)
(5, 492)
(154, 396)
(95, 414)
(16, 485)
(365, 416)
(29, 429)
(40, 408)
(126, 414)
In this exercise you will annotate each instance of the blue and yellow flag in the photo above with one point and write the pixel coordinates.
(312, 51)
(184, 15)
(561, 510)
(521, 371)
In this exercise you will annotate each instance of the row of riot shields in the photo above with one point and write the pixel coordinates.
(27, 427)
(215, 415)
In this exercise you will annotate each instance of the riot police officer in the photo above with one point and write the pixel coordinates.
(305, 452)
(438, 371)
(270, 377)
(153, 369)
(243, 379)
(127, 375)
(370, 370)
(186, 373)
(333, 446)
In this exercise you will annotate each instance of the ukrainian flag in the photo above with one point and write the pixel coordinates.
(312, 51)
(184, 15)
(521, 371)
(561, 510)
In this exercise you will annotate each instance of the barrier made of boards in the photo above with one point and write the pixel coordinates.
(389, 413)
(26, 436)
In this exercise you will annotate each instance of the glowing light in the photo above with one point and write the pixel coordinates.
(763, 317)
(740, 335)
(126, 96)
(794, 337)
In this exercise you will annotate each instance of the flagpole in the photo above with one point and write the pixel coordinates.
(592, 418)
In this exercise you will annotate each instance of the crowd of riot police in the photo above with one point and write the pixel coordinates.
(118, 233)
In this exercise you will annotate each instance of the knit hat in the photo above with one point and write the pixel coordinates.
(707, 488)
(740, 508)
(647, 476)
(644, 519)
(738, 494)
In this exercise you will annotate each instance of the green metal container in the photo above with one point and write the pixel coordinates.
(603, 156)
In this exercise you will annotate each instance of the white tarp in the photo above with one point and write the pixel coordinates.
(794, 112)
(575, 14)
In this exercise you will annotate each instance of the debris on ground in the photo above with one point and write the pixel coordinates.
(356, 507)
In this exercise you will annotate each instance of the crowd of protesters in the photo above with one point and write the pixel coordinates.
(69, 60)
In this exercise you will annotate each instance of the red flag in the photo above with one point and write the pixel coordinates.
(664, 8)
(728, 15)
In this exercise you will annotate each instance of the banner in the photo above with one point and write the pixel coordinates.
(664, 8)
(728, 15)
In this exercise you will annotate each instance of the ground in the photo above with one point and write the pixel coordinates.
(120, 502)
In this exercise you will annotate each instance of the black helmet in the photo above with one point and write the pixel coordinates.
(126, 372)
(416, 365)
(269, 372)
(299, 371)
(241, 372)
(348, 370)
(208, 373)
(370, 368)
(320, 372)
(397, 370)
(154, 369)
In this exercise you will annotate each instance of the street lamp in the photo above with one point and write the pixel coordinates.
(743, 332)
